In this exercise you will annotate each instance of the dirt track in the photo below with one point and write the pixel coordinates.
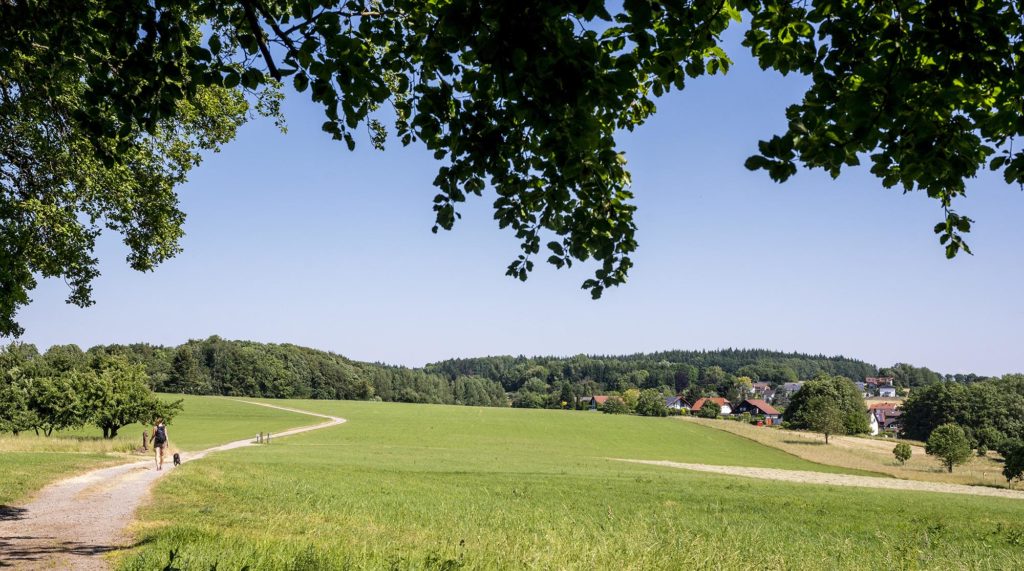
(804, 477)
(72, 523)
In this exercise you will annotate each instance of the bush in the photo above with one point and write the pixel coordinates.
(651, 403)
(902, 452)
(709, 410)
(745, 417)
(1013, 469)
(615, 405)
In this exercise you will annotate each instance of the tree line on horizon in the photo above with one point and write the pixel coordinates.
(216, 366)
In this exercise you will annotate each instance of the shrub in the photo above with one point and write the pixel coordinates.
(651, 403)
(709, 410)
(615, 405)
(902, 452)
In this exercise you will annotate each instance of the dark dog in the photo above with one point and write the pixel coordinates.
(177, 459)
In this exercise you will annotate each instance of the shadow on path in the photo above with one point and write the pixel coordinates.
(11, 513)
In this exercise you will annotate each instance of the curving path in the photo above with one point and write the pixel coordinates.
(805, 477)
(72, 523)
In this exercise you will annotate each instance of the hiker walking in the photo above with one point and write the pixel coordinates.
(159, 442)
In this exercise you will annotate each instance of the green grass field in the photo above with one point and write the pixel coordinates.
(28, 462)
(436, 487)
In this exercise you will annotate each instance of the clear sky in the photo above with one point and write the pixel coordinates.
(291, 238)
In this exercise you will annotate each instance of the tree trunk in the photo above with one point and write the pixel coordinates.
(950, 466)
(106, 432)
(113, 431)
(826, 438)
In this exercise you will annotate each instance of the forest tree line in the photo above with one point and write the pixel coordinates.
(216, 366)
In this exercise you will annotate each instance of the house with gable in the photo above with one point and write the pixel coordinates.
(758, 407)
(721, 402)
(676, 403)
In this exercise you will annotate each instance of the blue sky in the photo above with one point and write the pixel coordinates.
(291, 238)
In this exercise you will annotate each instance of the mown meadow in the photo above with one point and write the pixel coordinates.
(441, 487)
(28, 462)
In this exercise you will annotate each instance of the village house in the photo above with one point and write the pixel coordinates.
(592, 402)
(757, 407)
(887, 414)
(763, 391)
(790, 388)
(676, 403)
(723, 403)
(887, 391)
(873, 385)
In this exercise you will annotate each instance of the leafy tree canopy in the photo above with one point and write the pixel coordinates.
(841, 393)
(103, 108)
(949, 444)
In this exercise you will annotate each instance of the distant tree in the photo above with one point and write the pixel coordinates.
(902, 452)
(822, 414)
(1008, 445)
(15, 415)
(614, 405)
(949, 444)
(631, 397)
(63, 358)
(1013, 467)
(651, 403)
(709, 410)
(187, 376)
(686, 376)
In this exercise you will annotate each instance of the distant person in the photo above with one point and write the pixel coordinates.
(159, 442)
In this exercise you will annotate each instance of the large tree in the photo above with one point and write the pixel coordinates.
(525, 97)
(840, 391)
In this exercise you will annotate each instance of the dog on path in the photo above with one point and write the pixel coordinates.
(177, 459)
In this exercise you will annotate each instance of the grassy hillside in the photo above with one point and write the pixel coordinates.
(28, 462)
(435, 487)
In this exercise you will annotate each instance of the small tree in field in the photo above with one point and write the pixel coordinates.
(709, 410)
(824, 415)
(902, 452)
(949, 444)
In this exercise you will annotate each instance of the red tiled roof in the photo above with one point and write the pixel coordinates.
(762, 406)
(883, 405)
(717, 400)
(600, 399)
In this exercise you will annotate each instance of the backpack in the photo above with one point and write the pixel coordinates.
(161, 433)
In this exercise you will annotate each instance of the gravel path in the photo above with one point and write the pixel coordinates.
(804, 477)
(72, 523)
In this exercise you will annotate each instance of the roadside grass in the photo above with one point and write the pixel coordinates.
(28, 462)
(864, 453)
(436, 487)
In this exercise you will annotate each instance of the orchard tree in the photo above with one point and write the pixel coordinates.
(615, 405)
(121, 396)
(15, 415)
(949, 444)
(822, 414)
(104, 110)
(55, 401)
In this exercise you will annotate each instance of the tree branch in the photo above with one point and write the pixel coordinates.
(257, 31)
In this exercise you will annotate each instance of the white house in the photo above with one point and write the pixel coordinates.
(872, 423)
(886, 391)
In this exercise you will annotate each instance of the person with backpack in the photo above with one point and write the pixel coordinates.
(159, 442)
